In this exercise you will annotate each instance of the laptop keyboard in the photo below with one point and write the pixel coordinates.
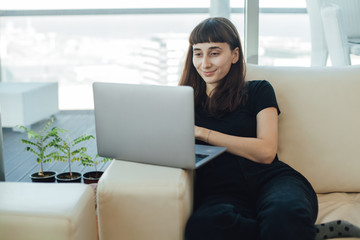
(200, 157)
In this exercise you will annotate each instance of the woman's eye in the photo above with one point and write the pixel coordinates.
(214, 53)
(197, 54)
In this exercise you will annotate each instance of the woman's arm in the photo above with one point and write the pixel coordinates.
(261, 149)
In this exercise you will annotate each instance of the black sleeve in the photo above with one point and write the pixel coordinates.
(264, 96)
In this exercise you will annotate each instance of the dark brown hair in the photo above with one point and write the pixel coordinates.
(229, 93)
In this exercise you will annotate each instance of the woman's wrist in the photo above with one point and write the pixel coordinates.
(208, 136)
(203, 134)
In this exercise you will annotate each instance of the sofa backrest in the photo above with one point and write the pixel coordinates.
(319, 124)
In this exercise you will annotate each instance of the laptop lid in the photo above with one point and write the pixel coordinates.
(146, 123)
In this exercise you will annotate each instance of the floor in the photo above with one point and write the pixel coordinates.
(19, 163)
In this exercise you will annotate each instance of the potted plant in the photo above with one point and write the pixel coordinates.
(70, 150)
(39, 143)
(93, 176)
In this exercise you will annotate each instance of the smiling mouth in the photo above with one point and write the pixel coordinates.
(208, 73)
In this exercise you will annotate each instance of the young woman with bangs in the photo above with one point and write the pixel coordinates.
(246, 193)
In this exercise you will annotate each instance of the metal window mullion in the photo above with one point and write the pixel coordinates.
(251, 43)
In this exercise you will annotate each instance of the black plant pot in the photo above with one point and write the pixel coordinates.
(66, 178)
(92, 177)
(49, 177)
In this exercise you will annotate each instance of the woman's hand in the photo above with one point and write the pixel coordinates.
(201, 133)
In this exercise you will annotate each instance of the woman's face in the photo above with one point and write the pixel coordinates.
(213, 61)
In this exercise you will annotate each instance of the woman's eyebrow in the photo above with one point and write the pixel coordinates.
(210, 48)
(215, 47)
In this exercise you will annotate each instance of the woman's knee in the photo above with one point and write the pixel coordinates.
(286, 220)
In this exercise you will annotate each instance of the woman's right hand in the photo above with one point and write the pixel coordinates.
(201, 133)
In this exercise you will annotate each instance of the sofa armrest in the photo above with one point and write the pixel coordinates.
(140, 201)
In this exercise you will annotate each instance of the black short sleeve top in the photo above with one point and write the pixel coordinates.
(222, 173)
(242, 122)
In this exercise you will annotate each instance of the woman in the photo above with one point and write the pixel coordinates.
(246, 193)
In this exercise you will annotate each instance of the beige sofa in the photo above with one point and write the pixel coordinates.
(319, 135)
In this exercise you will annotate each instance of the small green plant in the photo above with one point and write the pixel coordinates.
(93, 162)
(39, 143)
(70, 150)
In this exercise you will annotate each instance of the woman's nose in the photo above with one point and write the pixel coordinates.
(206, 61)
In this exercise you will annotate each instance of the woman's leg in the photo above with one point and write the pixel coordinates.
(287, 209)
(222, 220)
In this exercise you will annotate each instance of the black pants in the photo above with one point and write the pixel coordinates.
(269, 202)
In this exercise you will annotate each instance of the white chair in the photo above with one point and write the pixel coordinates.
(335, 31)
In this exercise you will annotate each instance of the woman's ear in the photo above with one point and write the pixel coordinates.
(235, 54)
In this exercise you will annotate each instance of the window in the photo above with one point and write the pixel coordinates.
(284, 33)
(115, 42)
(142, 41)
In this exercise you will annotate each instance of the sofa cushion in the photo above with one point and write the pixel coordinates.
(319, 124)
(335, 206)
(47, 211)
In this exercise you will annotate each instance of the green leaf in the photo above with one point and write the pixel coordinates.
(82, 138)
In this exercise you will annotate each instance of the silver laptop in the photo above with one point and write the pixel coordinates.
(148, 124)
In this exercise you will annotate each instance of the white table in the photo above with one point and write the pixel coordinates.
(25, 103)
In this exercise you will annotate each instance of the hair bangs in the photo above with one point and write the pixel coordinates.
(215, 30)
(206, 32)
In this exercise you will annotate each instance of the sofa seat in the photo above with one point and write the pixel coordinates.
(334, 206)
